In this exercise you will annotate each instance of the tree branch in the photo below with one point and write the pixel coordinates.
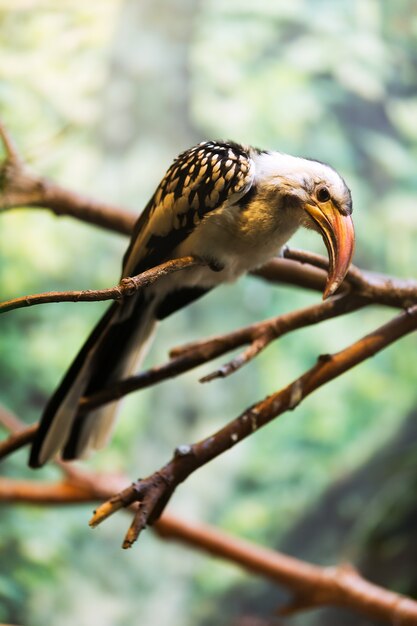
(20, 187)
(379, 288)
(126, 287)
(9, 145)
(18, 440)
(154, 492)
(21, 434)
(261, 334)
(376, 288)
(312, 585)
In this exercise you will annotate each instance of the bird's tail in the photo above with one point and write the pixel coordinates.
(110, 353)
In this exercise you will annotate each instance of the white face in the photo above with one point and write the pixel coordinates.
(300, 192)
(309, 181)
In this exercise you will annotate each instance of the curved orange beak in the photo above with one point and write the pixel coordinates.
(339, 236)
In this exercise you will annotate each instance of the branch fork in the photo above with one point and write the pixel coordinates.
(151, 494)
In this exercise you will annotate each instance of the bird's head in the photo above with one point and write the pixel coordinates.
(313, 195)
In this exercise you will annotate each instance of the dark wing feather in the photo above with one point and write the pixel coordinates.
(176, 300)
(199, 181)
(60, 393)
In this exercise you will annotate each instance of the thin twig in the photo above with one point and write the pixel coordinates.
(10, 148)
(20, 187)
(126, 287)
(263, 333)
(18, 440)
(62, 201)
(292, 273)
(379, 288)
(21, 435)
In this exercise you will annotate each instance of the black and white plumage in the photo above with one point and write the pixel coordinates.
(234, 207)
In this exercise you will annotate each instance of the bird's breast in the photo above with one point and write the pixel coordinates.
(237, 240)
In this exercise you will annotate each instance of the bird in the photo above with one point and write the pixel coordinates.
(230, 205)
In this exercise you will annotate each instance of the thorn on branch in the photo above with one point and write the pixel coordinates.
(183, 450)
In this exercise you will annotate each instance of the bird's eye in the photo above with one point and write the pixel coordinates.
(323, 194)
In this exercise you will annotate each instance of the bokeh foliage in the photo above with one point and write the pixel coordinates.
(101, 96)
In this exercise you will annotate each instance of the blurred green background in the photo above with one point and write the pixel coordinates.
(101, 96)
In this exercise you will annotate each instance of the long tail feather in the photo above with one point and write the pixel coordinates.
(110, 353)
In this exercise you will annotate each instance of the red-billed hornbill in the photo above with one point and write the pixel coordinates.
(232, 206)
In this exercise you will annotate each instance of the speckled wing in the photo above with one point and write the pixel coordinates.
(199, 181)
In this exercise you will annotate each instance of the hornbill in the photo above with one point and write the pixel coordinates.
(234, 207)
